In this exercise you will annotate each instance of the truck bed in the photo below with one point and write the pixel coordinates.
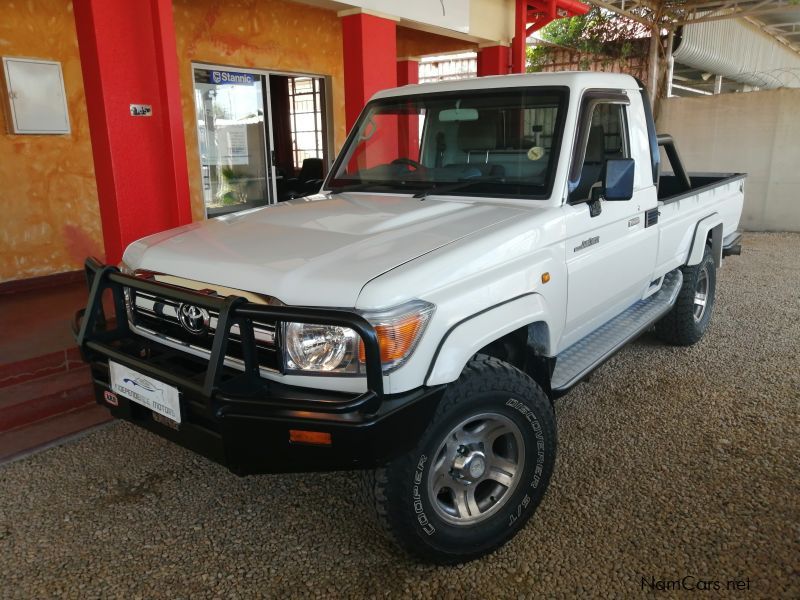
(671, 187)
(710, 195)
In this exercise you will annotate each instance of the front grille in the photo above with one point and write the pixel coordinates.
(158, 316)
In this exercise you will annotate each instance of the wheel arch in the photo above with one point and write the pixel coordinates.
(516, 331)
(708, 230)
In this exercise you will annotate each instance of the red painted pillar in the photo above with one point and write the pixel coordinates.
(408, 134)
(407, 71)
(493, 60)
(370, 52)
(128, 56)
(520, 33)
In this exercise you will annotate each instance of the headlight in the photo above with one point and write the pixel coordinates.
(320, 348)
(339, 350)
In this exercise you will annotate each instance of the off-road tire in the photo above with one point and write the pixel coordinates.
(401, 498)
(680, 327)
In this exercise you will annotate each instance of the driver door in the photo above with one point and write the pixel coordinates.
(610, 254)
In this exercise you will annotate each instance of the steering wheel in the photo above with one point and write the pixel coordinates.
(409, 162)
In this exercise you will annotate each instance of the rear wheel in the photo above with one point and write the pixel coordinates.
(478, 472)
(688, 320)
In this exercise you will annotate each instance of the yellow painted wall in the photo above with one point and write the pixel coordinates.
(263, 34)
(50, 216)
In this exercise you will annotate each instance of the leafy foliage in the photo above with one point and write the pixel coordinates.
(598, 32)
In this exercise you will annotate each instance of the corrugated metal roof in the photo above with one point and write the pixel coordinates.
(782, 24)
(779, 18)
(740, 51)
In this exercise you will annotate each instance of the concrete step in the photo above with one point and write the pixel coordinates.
(61, 361)
(36, 399)
(52, 431)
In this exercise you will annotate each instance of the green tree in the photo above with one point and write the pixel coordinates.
(599, 32)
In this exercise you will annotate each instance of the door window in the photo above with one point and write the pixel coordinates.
(607, 139)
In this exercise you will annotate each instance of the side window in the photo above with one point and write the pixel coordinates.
(607, 139)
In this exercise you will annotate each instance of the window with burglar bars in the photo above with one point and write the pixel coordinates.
(447, 67)
(305, 109)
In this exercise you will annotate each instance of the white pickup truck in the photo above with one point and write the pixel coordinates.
(477, 248)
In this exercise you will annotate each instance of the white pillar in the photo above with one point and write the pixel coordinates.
(670, 62)
(718, 84)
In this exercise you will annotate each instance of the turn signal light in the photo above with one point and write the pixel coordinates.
(395, 339)
(318, 438)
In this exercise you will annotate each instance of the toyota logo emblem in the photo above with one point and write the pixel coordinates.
(193, 318)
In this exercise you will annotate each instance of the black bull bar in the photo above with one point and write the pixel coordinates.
(95, 336)
(238, 418)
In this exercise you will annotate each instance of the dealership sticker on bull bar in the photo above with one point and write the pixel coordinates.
(151, 393)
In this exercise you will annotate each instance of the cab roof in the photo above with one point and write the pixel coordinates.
(571, 79)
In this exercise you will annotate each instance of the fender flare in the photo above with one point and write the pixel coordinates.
(712, 224)
(465, 338)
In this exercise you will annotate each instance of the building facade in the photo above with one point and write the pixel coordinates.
(179, 110)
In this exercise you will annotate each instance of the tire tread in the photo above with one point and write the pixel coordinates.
(481, 374)
(678, 327)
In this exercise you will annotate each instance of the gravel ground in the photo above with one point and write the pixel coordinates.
(672, 462)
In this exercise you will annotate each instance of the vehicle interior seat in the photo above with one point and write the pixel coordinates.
(308, 180)
(479, 146)
(476, 139)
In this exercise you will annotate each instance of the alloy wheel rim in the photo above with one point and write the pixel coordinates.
(476, 468)
(701, 295)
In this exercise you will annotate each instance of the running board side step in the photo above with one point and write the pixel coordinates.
(580, 359)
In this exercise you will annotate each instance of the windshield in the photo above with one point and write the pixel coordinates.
(494, 142)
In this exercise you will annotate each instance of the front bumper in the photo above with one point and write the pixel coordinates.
(240, 419)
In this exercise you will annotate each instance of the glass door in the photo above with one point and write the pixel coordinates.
(299, 132)
(233, 130)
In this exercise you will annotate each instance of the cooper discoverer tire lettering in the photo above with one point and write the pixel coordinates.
(478, 472)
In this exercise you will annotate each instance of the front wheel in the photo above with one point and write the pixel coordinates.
(688, 320)
(478, 472)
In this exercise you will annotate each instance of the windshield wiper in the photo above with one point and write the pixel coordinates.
(354, 187)
(369, 184)
(459, 185)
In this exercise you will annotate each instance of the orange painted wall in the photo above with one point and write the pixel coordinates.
(50, 214)
(263, 34)
(51, 219)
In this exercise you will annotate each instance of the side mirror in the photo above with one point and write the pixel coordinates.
(618, 180)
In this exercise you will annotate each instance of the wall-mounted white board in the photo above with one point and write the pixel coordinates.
(37, 100)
